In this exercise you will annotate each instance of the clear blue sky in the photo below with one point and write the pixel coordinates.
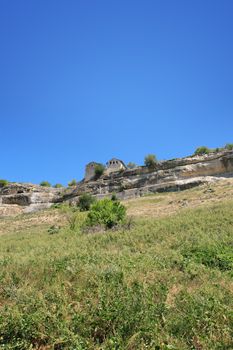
(92, 79)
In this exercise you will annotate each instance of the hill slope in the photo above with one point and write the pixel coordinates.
(165, 284)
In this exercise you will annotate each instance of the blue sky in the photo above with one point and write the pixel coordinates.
(89, 80)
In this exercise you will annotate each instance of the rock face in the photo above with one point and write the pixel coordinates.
(172, 175)
(17, 198)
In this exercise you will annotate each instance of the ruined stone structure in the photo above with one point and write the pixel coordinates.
(114, 165)
(90, 170)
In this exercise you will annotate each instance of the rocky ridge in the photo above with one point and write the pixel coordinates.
(171, 175)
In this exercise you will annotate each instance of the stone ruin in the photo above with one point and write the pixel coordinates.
(90, 170)
(113, 165)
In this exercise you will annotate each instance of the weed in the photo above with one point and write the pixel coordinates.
(53, 229)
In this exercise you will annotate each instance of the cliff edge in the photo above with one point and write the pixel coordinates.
(171, 175)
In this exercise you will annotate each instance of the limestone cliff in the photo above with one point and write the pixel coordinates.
(171, 175)
(17, 197)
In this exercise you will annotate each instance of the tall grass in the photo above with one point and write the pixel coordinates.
(165, 284)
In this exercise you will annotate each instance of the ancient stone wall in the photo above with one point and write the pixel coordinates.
(90, 171)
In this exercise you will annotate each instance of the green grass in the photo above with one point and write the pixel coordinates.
(165, 284)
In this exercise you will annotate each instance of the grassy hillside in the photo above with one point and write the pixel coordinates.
(164, 284)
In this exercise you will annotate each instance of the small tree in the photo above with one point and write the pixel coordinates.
(45, 184)
(202, 150)
(3, 183)
(99, 170)
(85, 201)
(107, 213)
(72, 183)
(131, 165)
(229, 146)
(150, 161)
(58, 186)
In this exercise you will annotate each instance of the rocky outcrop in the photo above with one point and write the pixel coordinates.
(172, 175)
(26, 198)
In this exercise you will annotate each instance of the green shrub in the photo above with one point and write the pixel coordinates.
(85, 202)
(56, 205)
(107, 213)
(114, 197)
(58, 186)
(45, 184)
(53, 229)
(72, 183)
(99, 170)
(150, 161)
(3, 183)
(202, 150)
(229, 146)
(131, 165)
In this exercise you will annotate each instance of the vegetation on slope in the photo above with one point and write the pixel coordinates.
(3, 183)
(165, 284)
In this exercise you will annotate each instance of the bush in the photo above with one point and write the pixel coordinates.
(3, 183)
(99, 170)
(150, 161)
(85, 201)
(72, 183)
(229, 146)
(107, 213)
(202, 150)
(131, 165)
(53, 229)
(58, 186)
(45, 184)
(56, 206)
(114, 197)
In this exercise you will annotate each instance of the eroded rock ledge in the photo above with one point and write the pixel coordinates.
(16, 198)
(171, 175)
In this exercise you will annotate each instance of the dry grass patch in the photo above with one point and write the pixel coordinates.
(24, 222)
(167, 204)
